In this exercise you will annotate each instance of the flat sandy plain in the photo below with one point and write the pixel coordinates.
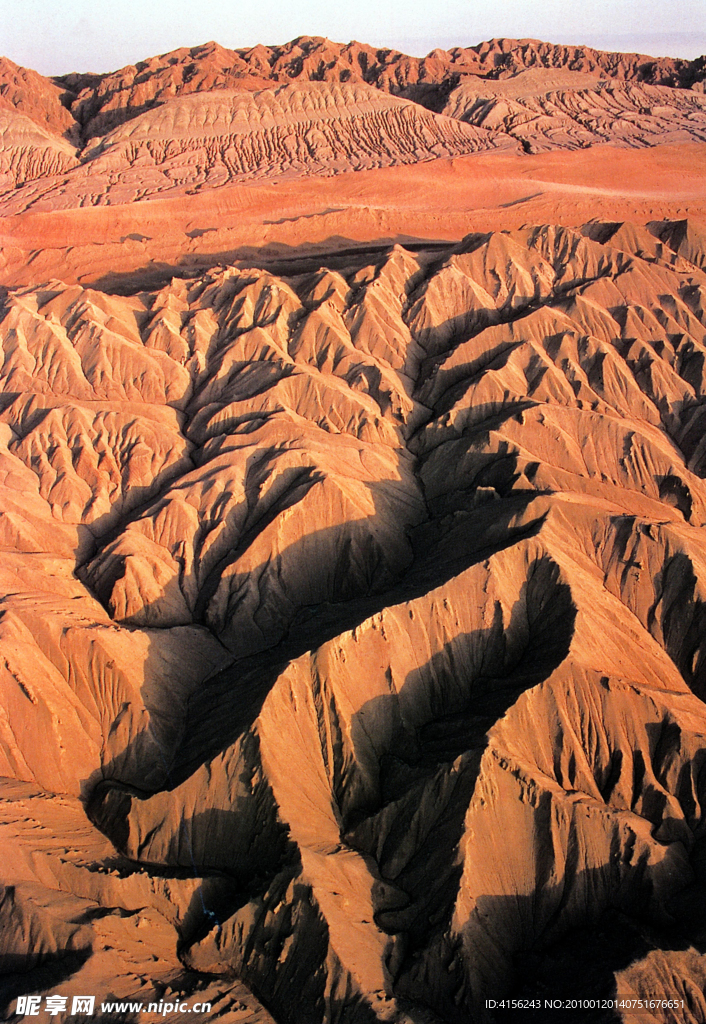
(443, 200)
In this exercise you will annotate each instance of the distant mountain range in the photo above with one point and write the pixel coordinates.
(199, 118)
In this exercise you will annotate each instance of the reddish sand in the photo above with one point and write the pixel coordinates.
(440, 200)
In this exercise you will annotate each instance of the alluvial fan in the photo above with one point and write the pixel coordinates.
(363, 610)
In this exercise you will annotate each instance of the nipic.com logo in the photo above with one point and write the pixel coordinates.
(31, 1006)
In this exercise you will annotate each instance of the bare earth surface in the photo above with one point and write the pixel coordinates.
(352, 509)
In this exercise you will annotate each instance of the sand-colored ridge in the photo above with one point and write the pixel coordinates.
(29, 151)
(209, 140)
(574, 111)
(363, 609)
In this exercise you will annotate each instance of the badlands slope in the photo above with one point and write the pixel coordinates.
(206, 155)
(352, 640)
(198, 119)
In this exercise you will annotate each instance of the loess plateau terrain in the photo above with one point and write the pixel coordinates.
(353, 529)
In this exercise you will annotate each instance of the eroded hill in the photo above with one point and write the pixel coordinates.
(205, 117)
(362, 610)
(99, 102)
